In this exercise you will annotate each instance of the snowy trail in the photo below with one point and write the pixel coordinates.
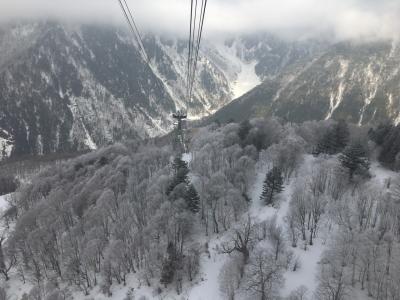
(208, 288)
(307, 274)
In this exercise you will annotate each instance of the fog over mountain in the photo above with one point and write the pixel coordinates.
(333, 19)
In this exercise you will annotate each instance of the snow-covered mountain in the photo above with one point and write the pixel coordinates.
(350, 80)
(67, 87)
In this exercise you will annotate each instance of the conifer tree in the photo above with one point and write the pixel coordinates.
(323, 145)
(341, 136)
(380, 134)
(192, 199)
(355, 159)
(334, 140)
(181, 171)
(273, 185)
(178, 164)
(244, 129)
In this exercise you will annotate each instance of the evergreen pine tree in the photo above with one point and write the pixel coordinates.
(334, 140)
(380, 134)
(273, 185)
(181, 171)
(390, 147)
(341, 136)
(244, 129)
(323, 145)
(355, 159)
(178, 164)
(192, 199)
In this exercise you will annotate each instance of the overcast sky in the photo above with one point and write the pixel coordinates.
(341, 19)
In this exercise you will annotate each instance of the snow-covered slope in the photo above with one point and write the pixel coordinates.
(4, 202)
(67, 87)
(312, 183)
(308, 259)
(357, 81)
(241, 73)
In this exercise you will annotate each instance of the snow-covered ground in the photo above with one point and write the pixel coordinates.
(307, 274)
(15, 286)
(187, 157)
(7, 146)
(119, 292)
(4, 201)
(381, 176)
(211, 265)
(304, 276)
(245, 77)
(206, 285)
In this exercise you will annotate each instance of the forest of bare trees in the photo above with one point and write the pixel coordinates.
(92, 221)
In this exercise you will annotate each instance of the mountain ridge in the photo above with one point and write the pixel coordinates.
(87, 86)
(350, 80)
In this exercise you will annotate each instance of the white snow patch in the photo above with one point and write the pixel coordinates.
(208, 288)
(16, 288)
(307, 274)
(6, 147)
(336, 98)
(372, 82)
(187, 157)
(245, 77)
(381, 176)
(344, 67)
(4, 201)
(89, 141)
(119, 292)
(247, 80)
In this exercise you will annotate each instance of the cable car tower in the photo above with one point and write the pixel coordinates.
(197, 14)
(179, 142)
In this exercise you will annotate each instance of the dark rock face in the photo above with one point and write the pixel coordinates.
(66, 88)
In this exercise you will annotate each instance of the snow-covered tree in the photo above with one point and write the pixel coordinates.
(192, 199)
(334, 140)
(241, 239)
(355, 159)
(264, 276)
(273, 185)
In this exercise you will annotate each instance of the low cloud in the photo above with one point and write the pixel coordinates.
(337, 19)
